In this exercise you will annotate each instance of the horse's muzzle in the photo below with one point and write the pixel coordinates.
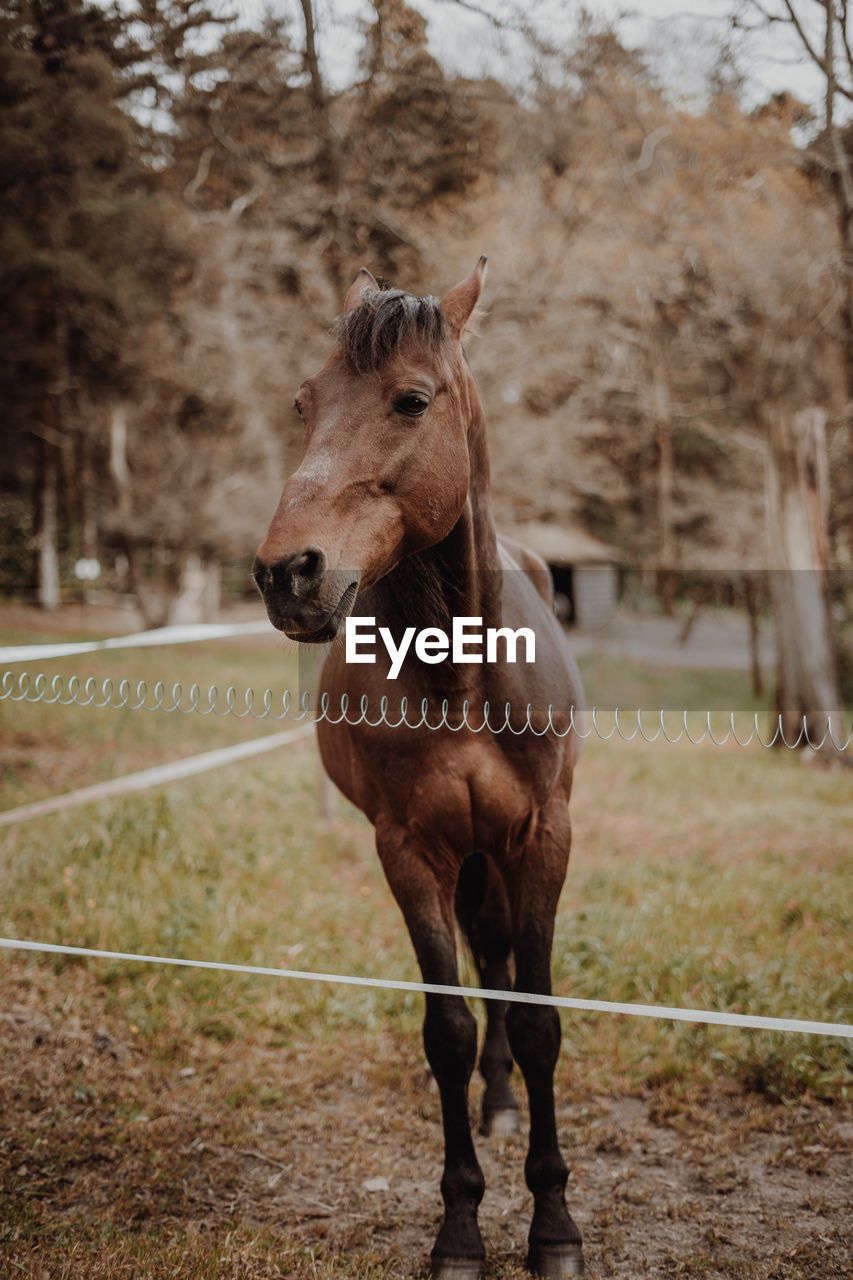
(303, 597)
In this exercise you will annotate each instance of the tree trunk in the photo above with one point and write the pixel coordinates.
(807, 693)
(843, 189)
(667, 578)
(48, 526)
(198, 595)
(752, 595)
(119, 469)
(156, 599)
(338, 230)
(86, 502)
(155, 593)
(845, 220)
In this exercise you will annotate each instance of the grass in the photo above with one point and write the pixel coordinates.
(619, 682)
(705, 876)
(108, 1253)
(713, 878)
(702, 876)
(48, 748)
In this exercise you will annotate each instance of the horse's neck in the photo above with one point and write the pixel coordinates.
(459, 576)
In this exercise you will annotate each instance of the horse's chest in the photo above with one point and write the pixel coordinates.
(457, 794)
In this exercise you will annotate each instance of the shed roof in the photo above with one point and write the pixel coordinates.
(559, 545)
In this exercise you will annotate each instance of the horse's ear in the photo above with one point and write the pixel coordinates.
(458, 305)
(363, 283)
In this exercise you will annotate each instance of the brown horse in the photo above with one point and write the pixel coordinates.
(390, 509)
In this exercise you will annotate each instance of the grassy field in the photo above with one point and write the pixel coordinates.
(47, 748)
(710, 879)
(704, 876)
(715, 877)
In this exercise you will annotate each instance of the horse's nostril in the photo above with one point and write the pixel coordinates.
(305, 565)
(293, 576)
(307, 568)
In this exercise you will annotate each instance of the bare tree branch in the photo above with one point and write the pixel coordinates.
(829, 68)
(196, 183)
(318, 89)
(241, 204)
(843, 27)
(804, 40)
(794, 21)
(497, 22)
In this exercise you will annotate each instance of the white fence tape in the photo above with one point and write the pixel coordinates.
(185, 634)
(746, 1021)
(155, 776)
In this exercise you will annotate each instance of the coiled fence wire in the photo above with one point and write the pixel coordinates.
(650, 726)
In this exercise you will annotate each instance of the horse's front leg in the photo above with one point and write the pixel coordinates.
(450, 1041)
(482, 909)
(554, 1241)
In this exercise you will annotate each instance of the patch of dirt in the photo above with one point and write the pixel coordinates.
(44, 761)
(33, 765)
(110, 616)
(339, 1148)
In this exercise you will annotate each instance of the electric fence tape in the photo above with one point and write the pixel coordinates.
(58, 690)
(746, 1021)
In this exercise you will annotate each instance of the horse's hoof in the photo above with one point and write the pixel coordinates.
(555, 1261)
(457, 1269)
(501, 1124)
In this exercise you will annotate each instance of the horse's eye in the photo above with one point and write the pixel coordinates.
(411, 404)
(298, 407)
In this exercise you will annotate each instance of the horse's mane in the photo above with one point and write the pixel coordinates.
(419, 590)
(386, 321)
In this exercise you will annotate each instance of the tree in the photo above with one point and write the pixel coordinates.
(808, 678)
(822, 30)
(797, 491)
(285, 183)
(193, 457)
(85, 253)
(653, 257)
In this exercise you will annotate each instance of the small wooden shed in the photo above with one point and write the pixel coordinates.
(585, 571)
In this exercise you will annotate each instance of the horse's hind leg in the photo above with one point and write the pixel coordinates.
(450, 1041)
(482, 908)
(554, 1241)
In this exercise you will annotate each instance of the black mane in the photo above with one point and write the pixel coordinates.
(386, 321)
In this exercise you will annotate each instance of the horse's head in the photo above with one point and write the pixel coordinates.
(385, 468)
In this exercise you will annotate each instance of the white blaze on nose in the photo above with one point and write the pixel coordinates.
(317, 469)
(311, 477)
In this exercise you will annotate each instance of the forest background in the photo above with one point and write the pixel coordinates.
(666, 355)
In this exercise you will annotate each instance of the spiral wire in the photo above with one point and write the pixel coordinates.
(649, 726)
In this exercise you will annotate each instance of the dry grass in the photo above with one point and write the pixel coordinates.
(322, 1158)
(49, 748)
